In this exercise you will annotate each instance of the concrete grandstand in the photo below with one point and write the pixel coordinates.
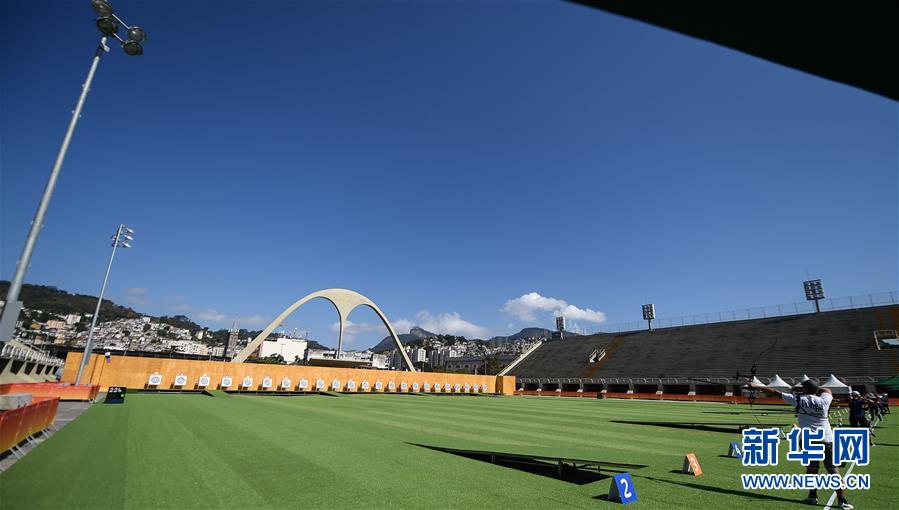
(716, 359)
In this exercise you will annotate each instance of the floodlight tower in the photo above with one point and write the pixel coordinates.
(121, 239)
(560, 327)
(814, 291)
(649, 313)
(108, 24)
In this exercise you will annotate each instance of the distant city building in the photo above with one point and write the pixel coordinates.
(56, 324)
(438, 357)
(417, 355)
(232, 340)
(291, 349)
(189, 347)
(379, 361)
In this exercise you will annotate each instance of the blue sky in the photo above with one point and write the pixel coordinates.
(447, 159)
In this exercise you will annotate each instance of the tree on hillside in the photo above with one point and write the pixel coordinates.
(274, 359)
(491, 365)
(423, 366)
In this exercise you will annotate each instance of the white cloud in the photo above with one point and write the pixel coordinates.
(253, 320)
(136, 295)
(450, 324)
(177, 304)
(585, 314)
(351, 329)
(526, 307)
(402, 326)
(211, 315)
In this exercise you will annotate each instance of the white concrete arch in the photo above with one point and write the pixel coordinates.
(345, 301)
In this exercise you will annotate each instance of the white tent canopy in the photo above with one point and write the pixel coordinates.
(778, 384)
(835, 385)
(804, 378)
(833, 382)
(755, 381)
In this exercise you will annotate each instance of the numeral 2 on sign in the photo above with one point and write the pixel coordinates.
(622, 489)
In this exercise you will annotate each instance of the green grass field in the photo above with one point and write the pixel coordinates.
(354, 451)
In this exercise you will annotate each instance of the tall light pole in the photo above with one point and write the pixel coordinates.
(649, 313)
(814, 291)
(121, 238)
(108, 24)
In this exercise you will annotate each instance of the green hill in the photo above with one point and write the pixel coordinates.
(50, 299)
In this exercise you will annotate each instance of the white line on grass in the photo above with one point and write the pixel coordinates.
(834, 495)
(649, 400)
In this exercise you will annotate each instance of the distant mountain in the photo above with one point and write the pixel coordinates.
(312, 344)
(60, 302)
(416, 333)
(53, 300)
(525, 334)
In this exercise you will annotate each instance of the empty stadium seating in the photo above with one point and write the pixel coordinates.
(20, 363)
(839, 342)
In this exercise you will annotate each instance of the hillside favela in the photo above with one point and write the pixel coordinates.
(441, 255)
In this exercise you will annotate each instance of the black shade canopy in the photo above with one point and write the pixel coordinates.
(850, 42)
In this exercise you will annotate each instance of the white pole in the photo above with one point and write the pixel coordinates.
(12, 296)
(88, 347)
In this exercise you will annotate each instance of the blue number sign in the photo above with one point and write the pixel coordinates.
(622, 489)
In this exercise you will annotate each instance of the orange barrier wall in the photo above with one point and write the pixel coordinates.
(19, 423)
(135, 371)
(63, 391)
(505, 384)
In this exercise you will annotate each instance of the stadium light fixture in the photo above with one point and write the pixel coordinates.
(118, 241)
(649, 313)
(560, 326)
(133, 48)
(102, 7)
(107, 23)
(814, 291)
(137, 34)
(107, 26)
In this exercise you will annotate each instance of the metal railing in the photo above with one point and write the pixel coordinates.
(762, 312)
(29, 355)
